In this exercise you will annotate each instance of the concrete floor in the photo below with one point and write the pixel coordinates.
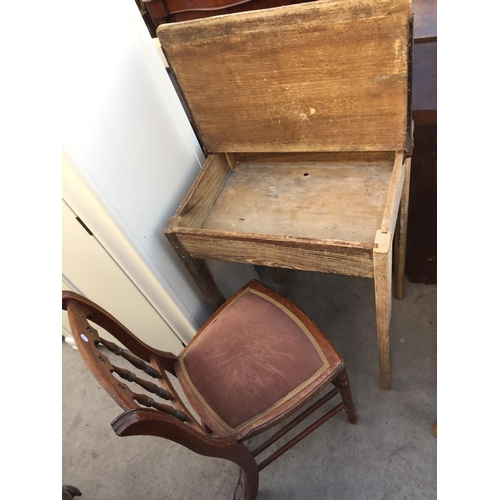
(389, 454)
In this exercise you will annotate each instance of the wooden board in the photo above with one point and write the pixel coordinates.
(312, 197)
(327, 256)
(322, 76)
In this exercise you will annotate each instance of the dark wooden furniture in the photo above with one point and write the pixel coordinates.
(304, 113)
(421, 260)
(255, 362)
(171, 11)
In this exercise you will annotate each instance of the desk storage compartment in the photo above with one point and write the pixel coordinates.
(330, 205)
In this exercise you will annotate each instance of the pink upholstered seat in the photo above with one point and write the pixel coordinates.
(254, 362)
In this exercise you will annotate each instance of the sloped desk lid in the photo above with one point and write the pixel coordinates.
(322, 76)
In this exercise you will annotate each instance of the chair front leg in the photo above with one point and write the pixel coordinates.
(342, 383)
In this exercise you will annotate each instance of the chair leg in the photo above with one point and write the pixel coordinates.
(382, 273)
(401, 235)
(342, 383)
(250, 483)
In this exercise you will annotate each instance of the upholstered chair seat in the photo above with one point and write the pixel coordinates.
(254, 362)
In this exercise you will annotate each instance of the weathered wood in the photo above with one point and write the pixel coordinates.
(322, 76)
(401, 235)
(198, 268)
(329, 256)
(312, 198)
(204, 191)
(393, 195)
(310, 107)
(382, 271)
(231, 159)
(333, 158)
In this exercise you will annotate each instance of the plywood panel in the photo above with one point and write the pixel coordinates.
(322, 76)
(310, 198)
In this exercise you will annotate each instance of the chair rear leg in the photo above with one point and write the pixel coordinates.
(342, 383)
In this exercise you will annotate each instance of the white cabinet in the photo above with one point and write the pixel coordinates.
(90, 270)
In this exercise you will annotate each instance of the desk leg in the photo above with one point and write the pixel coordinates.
(400, 237)
(382, 273)
(199, 271)
(276, 275)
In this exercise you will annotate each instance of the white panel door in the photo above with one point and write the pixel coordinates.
(90, 270)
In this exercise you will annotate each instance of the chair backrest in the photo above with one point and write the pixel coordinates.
(321, 76)
(171, 421)
(155, 364)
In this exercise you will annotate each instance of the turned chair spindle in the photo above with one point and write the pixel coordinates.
(149, 386)
(138, 363)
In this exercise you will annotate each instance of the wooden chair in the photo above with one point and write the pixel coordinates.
(254, 363)
(303, 111)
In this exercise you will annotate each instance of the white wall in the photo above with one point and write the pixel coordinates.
(98, 276)
(130, 155)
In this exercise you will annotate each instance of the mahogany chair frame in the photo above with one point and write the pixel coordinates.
(144, 415)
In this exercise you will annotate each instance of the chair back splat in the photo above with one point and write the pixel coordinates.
(88, 341)
(153, 407)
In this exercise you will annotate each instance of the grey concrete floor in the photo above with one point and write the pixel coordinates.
(389, 454)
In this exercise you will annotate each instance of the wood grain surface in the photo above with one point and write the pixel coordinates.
(338, 257)
(203, 192)
(322, 76)
(394, 195)
(382, 271)
(308, 199)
